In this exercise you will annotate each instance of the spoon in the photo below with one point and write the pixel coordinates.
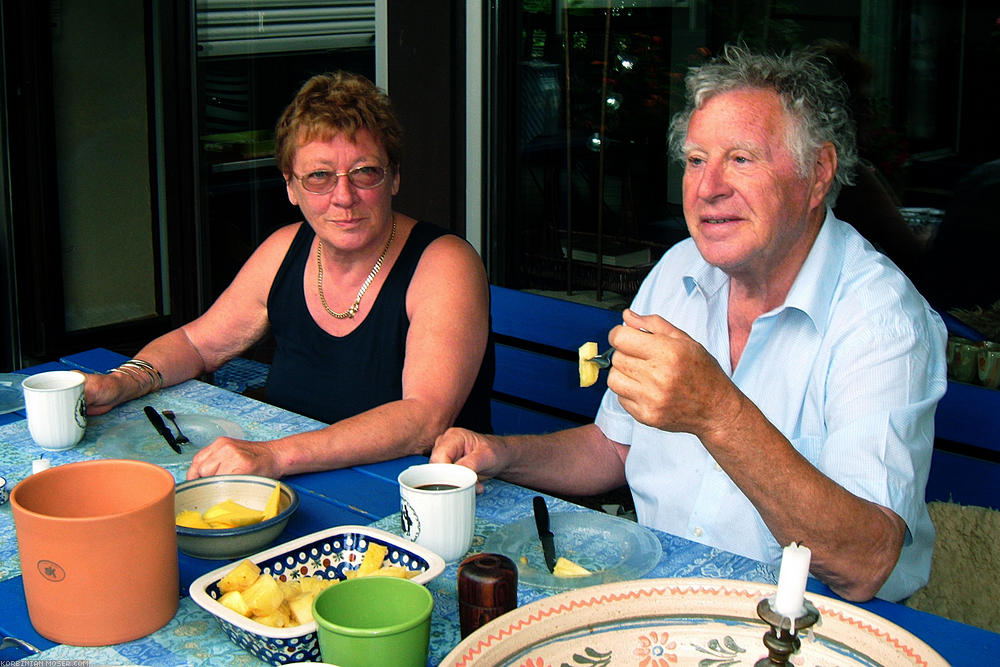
(181, 438)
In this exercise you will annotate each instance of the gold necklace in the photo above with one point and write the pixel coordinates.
(353, 310)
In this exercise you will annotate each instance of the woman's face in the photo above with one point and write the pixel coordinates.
(348, 217)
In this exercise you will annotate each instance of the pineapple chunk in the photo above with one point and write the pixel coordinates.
(301, 608)
(232, 513)
(395, 571)
(263, 596)
(273, 503)
(290, 589)
(567, 568)
(588, 369)
(281, 617)
(191, 519)
(314, 585)
(234, 600)
(372, 560)
(240, 577)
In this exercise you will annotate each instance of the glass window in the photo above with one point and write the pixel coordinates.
(250, 63)
(584, 198)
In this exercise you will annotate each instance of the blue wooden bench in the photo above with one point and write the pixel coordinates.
(537, 386)
(536, 390)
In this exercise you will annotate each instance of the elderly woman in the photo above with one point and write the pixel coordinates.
(381, 321)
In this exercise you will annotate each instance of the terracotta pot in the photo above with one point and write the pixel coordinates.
(98, 550)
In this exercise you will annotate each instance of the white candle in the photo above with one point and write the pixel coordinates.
(38, 465)
(788, 601)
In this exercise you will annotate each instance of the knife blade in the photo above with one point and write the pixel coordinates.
(544, 534)
(157, 421)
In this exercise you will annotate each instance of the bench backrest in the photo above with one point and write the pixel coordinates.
(537, 391)
(537, 386)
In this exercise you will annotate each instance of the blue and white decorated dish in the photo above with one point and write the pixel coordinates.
(328, 554)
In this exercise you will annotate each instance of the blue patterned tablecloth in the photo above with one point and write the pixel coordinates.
(194, 638)
(259, 420)
(501, 504)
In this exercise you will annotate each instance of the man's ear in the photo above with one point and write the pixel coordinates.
(825, 171)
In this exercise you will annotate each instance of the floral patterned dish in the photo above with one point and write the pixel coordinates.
(326, 553)
(662, 622)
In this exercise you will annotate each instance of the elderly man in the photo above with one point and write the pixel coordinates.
(775, 378)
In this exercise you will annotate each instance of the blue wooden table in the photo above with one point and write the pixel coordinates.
(361, 495)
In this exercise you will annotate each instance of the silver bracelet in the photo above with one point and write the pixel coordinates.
(138, 370)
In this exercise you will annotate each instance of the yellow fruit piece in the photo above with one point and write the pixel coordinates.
(395, 571)
(290, 589)
(240, 577)
(220, 524)
(263, 596)
(567, 568)
(234, 600)
(232, 513)
(273, 503)
(279, 618)
(191, 519)
(373, 558)
(588, 369)
(314, 585)
(301, 608)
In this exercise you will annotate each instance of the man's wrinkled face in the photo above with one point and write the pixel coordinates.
(746, 205)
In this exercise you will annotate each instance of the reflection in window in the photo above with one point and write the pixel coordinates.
(584, 198)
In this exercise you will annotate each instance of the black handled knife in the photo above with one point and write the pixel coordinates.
(544, 534)
(157, 421)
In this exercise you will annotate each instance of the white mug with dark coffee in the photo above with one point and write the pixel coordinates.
(438, 507)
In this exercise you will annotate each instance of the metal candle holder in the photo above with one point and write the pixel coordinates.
(782, 639)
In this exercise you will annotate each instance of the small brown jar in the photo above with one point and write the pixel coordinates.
(487, 588)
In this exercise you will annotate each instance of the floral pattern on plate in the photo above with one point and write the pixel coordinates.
(662, 622)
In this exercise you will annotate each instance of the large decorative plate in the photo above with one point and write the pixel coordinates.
(11, 394)
(137, 439)
(661, 622)
(613, 549)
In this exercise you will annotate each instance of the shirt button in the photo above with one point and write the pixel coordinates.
(697, 532)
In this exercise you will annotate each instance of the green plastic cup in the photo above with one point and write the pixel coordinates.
(374, 621)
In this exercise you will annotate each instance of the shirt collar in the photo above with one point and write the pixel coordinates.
(812, 290)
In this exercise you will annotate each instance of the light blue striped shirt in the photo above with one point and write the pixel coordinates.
(849, 369)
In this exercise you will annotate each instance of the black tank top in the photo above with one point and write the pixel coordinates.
(330, 378)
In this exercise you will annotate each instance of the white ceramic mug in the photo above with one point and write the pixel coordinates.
(438, 507)
(56, 407)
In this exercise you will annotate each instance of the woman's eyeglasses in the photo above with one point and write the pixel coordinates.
(323, 181)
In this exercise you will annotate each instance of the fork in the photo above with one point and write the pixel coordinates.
(181, 438)
(603, 360)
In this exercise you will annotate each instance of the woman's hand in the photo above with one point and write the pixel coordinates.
(104, 392)
(229, 456)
